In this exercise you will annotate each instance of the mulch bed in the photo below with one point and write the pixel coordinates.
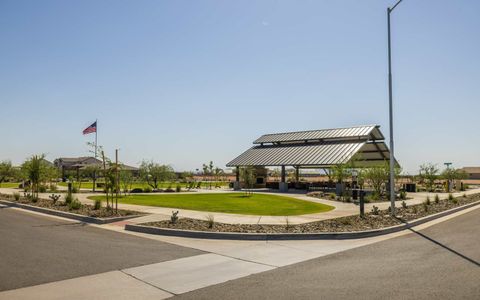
(344, 224)
(84, 210)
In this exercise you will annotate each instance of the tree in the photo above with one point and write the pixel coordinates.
(91, 172)
(217, 173)
(154, 173)
(428, 173)
(450, 174)
(126, 180)
(35, 170)
(248, 176)
(377, 177)
(6, 171)
(340, 172)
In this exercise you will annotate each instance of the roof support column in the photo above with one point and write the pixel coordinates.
(283, 186)
(297, 174)
(236, 183)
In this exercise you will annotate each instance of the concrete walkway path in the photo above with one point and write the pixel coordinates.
(341, 209)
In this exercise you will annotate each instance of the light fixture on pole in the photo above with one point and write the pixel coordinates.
(390, 102)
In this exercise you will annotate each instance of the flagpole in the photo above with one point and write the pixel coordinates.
(96, 132)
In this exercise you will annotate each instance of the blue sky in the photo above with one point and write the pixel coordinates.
(186, 82)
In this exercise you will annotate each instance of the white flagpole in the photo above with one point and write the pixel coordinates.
(96, 132)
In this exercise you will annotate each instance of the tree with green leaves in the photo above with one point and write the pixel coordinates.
(126, 180)
(341, 172)
(377, 177)
(248, 176)
(428, 174)
(34, 170)
(7, 171)
(450, 174)
(154, 173)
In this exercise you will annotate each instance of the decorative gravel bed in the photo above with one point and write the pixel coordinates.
(344, 224)
(85, 209)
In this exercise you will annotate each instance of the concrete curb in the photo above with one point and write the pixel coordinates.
(67, 215)
(292, 236)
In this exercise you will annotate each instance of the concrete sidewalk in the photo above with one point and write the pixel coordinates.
(224, 261)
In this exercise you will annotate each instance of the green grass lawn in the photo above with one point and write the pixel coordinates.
(235, 203)
(161, 185)
(9, 185)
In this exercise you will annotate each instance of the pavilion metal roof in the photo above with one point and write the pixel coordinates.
(318, 148)
(357, 132)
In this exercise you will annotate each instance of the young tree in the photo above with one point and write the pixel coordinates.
(6, 171)
(92, 172)
(248, 176)
(154, 173)
(126, 179)
(340, 172)
(34, 169)
(450, 174)
(377, 178)
(428, 173)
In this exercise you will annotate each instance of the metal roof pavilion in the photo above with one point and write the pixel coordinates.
(317, 148)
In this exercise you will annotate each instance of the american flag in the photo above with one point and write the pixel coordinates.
(90, 129)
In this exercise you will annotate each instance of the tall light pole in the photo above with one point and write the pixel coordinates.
(390, 105)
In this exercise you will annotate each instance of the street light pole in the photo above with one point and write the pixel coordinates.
(390, 103)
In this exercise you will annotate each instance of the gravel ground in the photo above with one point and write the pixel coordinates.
(344, 224)
(85, 209)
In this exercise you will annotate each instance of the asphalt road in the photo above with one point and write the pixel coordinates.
(440, 262)
(36, 249)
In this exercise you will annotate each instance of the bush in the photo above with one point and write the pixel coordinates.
(74, 189)
(425, 206)
(375, 210)
(16, 196)
(332, 196)
(136, 190)
(414, 209)
(53, 188)
(464, 195)
(68, 198)
(403, 195)
(428, 202)
(147, 189)
(54, 198)
(174, 217)
(437, 199)
(42, 189)
(97, 205)
(454, 200)
(169, 190)
(404, 204)
(75, 204)
(211, 221)
(178, 189)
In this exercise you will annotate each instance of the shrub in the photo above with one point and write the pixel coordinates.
(42, 189)
(464, 195)
(16, 196)
(53, 188)
(428, 202)
(403, 195)
(97, 205)
(147, 189)
(437, 198)
(178, 189)
(74, 189)
(136, 190)
(425, 206)
(332, 196)
(174, 217)
(211, 220)
(375, 210)
(54, 198)
(454, 200)
(450, 197)
(414, 209)
(68, 198)
(169, 190)
(75, 204)
(404, 204)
